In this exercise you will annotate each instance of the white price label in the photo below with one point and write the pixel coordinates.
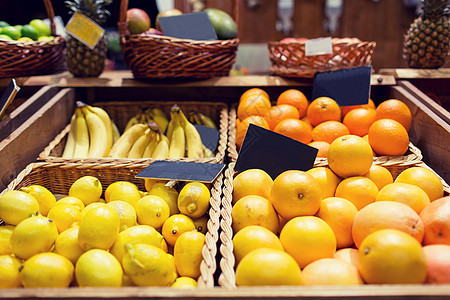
(318, 46)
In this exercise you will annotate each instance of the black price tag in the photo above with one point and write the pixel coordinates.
(210, 136)
(194, 26)
(8, 96)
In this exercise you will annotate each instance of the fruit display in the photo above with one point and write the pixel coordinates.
(36, 30)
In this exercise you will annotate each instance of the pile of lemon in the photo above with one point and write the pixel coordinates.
(128, 238)
(36, 30)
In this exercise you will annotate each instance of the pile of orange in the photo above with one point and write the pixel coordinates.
(320, 122)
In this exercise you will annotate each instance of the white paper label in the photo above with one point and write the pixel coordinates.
(318, 46)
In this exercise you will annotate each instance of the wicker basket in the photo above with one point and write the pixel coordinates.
(59, 177)
(289, 59)
(33, 58)
(121, 112)
(156, 56)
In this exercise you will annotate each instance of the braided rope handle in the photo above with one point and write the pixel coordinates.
(51, 16)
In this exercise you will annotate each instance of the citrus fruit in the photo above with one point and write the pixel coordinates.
(295, 98)
(435, 217)
(254, 237)
(193, 199)
(308, 239)
(98, 268)
(43, 196)
(149, 182)
(174, 226)
(125, 192)
(72, 200)
(408, 194)
(90, 207)
(152, 210)
(280, 112)
(30, 32)
(4, 37)
(359, 190)
(323, 109)
(358, 120)
(295, 129)
(386, 215)
(169, 194)
(184, 283)
(438, 263)
(327, 180)
(396, 110)
(41, 27)
(322, 147)
(188, 253)
(253, 105)
(388, 137)
(9, 272)
(16, 206)
(266, 266)
(346, 109)
(379, 175)
(253, 91)
(65, 216)
(201, 224)
(331, 271)
(46, 270)
(424, 178)
(241, 127)
(350, 155)
(116, 184)
(5, 237)
(295, 193)
(25, 40)
(251, 182)
(87, 188)
(366, 138)
(12, 32)
(66, 244)
(328, 131)
(126, 213)
(349, 255)
(254, 210)
(390, 256)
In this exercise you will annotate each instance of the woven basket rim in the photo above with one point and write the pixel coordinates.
(174, 40)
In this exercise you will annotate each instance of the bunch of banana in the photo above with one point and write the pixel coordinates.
(91, 133)
(201, 119)
(150, 115)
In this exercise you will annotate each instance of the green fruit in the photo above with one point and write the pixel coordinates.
(3, 24)
(30, 32)
(45, 38)
(223, 24)
(41, 27)
(12, 32)
(5, 38)
(18, 27)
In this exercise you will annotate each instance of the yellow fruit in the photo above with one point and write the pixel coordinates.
(47, 270)
(308, 239)
(254, 237)
(89, 207)
(16, 206)
(251, 182)
(254, 210)
(148, 265)
(66, 244)
(349, 255)
(331, 271)
(405, 193)
(98, 268)
(72, 200)
(389, 256)
(99, 228)
(5, 237)
(32, 236)
(184, 283)
(359, 190)
(188, 253)
(170, 195)
(140, 234)
(295, 193)
(126, 213)
(44, 197)
(9, 272)
(268, 267)
(113, 185)
(379, 175)
(424, 178)
(152, 210)
(148, 183)
(201, 224)
(193, 199)
(65, 216)
(174, 226)
(87, 188)
(327, 180)
(125, 192)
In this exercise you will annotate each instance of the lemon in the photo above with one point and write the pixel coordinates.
(126, 281)
(98, 268)
(188, 253)
(41, 27)
(47, 270)
(66, 244)
(126, 213)
(113, 185)
(152, 210)
(9, 272)
(87, 188)
(65, 216)
(25, 39)
(174, 226)
(148, 183)
(193, 199)
(143, 234)
(45, 38)
(5, 237)
(125, 192)
(99, 228)
(170, 195)
(147, 265)
(72, 200)
(32, 236)
(164, 246)
(91, 206)
(16, 206)
(201, 224)
(44, 197)
(184, 283)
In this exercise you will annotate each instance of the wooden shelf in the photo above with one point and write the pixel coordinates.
(417, 73)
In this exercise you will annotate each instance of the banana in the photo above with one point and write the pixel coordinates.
(126, 140)
(159, 118)
(162, 148)
(71, 139)
(132, 121)
(116, 133)
(82, 138)
(177, 147)
(193, 139)
(207, 152)
(138, 148)
(97, 134)
(169, 129)
(151, 146)
(206, 121)
(108, 125)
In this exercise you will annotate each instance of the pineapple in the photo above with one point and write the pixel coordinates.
(81, 60)
(427, 40)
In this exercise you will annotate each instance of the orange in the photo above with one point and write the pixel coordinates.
(359, 190)
(306, 120)
(386, 214)
(295, 193)
(254, 210)
(279, 113)
(379, 175)
(253, 105)
(253, 91)
(323, 109)
(346, 109)
(339, 213)
(349, 155)
(308, 239)
(436, 218)
(328, 131)
(251, 182)
(405, 193)
(349, 255)
(295, 98)
(390, 256)
(366, 138)
(327, 180)
(388, 137)
(322, 147)
(438, 263)
(331, 271)
(268, 267)
(295, 129)
(424, 178)
(241, 127)
(358, 120)
(396, 110)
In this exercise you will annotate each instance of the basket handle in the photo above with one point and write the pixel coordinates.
(51, 15)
